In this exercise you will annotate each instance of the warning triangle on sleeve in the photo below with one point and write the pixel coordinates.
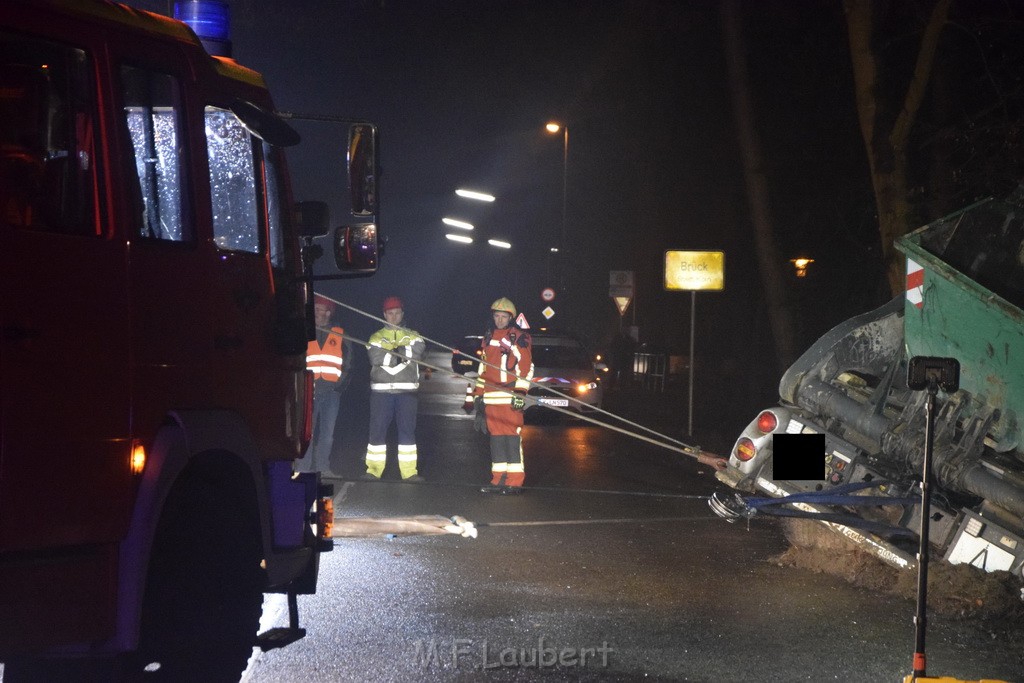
(521, 322)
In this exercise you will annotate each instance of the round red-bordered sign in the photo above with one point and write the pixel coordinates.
(548, 294)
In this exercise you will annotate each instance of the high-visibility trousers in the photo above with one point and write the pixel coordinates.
(385, 407)
(505, 426)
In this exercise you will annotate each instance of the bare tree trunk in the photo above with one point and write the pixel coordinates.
(887, 147)
(769, 262)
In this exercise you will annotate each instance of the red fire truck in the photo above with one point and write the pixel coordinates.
(155, 304)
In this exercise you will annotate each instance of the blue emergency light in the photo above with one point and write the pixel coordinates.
(211, 20)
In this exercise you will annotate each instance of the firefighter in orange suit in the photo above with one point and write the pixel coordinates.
(505, 371)
(325, 358)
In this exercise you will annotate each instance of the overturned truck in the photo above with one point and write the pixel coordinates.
(964, 299)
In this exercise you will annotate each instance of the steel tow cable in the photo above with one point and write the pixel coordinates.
(667, 442)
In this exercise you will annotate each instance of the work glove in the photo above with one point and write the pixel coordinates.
(468, 406)
(480, 421)
(519, 402)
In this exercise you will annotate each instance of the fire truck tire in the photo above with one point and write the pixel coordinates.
(204, 591)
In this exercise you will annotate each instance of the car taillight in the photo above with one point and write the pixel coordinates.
(745, 449)
(767, 421)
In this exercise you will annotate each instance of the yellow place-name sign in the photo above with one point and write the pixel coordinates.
(692, 270)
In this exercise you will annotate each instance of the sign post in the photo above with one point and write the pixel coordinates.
(692, 271)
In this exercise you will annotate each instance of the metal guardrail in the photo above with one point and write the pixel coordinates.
(651, 369)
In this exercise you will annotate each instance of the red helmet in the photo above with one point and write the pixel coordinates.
(319, 300)
(392, 302)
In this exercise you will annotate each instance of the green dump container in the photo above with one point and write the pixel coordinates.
(965, 299)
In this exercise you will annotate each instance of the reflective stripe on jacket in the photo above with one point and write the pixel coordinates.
(511, 351)
(326, 362)
(393, 352)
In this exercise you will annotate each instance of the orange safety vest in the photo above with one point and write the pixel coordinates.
(326, 362)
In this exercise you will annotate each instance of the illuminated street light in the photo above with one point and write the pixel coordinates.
(471, 194)
(500, 244)
(800, 264)
(459, 238)
(554, 127)
(457, 224)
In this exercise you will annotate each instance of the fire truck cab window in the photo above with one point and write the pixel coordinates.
(47, 158)
(236, 210)
(273, 195)
(152, 109)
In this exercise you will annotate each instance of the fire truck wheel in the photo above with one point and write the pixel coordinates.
(204, 592)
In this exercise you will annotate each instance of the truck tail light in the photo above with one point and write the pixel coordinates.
(307, 409)
(767, 421)
(745, 449)
(138, 457)
(325, 517)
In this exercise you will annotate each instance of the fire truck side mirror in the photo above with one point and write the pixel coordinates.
(363, 172)
(357, 249)
(312, 219)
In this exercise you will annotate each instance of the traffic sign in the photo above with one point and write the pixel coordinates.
(694, 270)
(548, 312)
(620, 283)
(620, 288)
(548, 294)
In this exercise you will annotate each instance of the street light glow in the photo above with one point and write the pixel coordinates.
(471, 194)
(459, 238)
(500, 244)
(800, 264)
(457, 224)
(553, 127)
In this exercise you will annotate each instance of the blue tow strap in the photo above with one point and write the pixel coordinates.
(748, 507)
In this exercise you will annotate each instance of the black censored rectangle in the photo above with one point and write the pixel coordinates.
(798, 456)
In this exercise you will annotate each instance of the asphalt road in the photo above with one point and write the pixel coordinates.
(609, 567)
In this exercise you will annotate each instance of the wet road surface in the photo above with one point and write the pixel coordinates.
(609, 567)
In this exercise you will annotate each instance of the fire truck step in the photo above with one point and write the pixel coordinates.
(279, 637)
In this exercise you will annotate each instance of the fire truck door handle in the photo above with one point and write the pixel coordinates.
(13, 333)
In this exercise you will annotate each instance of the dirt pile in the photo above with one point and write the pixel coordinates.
(953, 590)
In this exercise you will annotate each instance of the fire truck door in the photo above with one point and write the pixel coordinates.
(64, 384)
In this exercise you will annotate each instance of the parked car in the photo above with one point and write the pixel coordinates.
(470, 346)
(564, 370)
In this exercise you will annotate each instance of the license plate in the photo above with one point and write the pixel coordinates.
(558, 402)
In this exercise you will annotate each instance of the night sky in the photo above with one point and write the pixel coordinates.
(461, 90)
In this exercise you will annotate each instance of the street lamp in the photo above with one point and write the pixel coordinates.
(553, 128)
(559, 252)
(800, 265)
